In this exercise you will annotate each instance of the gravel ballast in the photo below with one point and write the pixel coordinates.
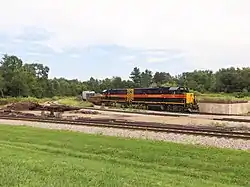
(179, 138)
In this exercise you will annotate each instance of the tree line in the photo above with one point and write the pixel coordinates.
(31, 79)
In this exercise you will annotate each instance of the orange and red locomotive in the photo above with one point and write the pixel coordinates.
(177, 99)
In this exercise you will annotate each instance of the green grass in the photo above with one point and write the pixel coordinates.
(39, 157)
(4, 101)
(220, 98)
(73, 101)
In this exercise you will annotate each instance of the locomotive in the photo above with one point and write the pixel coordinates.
(173, 99)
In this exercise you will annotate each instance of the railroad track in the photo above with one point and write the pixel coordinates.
(174, 114)
(145, 112)
(145, 126)
(160, 112)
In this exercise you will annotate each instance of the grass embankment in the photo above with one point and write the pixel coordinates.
(40, 157)
(220, 98)
(74, 101)
(8, 100)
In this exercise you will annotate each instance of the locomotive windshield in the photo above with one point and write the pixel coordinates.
(184, 89)
(187, 90)
(178, 90)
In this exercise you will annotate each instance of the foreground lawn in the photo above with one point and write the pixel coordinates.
(39, 157)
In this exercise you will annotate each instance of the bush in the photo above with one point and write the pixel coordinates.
(196, 93)
(8, 100)
(73, 101)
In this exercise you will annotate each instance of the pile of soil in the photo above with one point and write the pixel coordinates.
(22, 106)
(49, 106)
(15, 113)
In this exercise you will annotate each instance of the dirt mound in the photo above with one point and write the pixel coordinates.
(22, 106)
(15, 113)
(49, 106)
(49, 103)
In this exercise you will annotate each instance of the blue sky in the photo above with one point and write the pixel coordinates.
(80, 39)
(95, 60)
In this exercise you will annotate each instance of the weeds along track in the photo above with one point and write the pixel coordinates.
(226, 132)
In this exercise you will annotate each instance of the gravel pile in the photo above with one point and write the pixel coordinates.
(186, 139)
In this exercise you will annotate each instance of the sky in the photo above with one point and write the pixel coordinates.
(80, 38)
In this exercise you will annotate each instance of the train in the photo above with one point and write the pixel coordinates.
(87, 94)
(172, 99)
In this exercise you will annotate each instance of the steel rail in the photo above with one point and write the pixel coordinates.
(151, 113)
(168, 128)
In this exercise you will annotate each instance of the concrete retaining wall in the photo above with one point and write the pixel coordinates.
(218, 108)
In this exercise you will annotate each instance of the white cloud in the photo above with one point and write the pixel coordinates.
(101, 51)
(209, 31)
(37, 54)
(74, 55)
(165, 58)
(154, 52)
(158, 59)
(127, 58)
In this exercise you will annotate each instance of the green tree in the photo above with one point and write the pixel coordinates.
(14, 75)
(2, 85)
(135, 76)
(146, 78)
(31, 79)
(161, 78)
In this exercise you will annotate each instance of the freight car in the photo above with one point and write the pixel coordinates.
(174, 99)
(87, 94)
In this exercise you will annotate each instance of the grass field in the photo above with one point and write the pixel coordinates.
(219, 97)
(39, 157)
(4, 101)
(73, 101)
